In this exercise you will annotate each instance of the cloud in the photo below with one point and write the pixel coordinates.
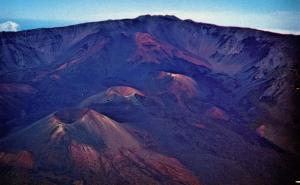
(9, 26)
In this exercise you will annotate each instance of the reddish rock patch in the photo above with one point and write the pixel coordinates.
(21, 159)
(172, 168)
(180, 84)
(55, 77)
(192, 59)
(218, 114)
(150, 49)
(84, 156)
(123, 91)
(17, 88)
(261, 130)
(200, 125)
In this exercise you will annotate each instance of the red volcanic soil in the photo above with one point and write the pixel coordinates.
(22, 159)
(217, 113)
(261, 130)
(151, 50)
(185, 56)
(173, 168)
(119, 152)
(111, 93)
(156, 165)
(180, 84)
(98, 46)
(85, 156)
(199, 125)
(123, 91)
(16, 88)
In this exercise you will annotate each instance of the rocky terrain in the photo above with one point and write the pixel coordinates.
(150, 100)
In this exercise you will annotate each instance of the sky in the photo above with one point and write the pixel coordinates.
(281, 16)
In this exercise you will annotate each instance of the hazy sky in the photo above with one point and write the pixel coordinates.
(275, 15)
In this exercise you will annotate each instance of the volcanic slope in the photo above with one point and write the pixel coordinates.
(90, 146)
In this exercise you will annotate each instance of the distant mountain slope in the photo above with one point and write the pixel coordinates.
(221, 100)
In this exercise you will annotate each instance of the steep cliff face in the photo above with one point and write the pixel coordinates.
(214, 98)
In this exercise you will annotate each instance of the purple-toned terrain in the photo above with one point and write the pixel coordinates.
(150, 100)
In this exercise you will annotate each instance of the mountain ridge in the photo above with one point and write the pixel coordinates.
(170, 17)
